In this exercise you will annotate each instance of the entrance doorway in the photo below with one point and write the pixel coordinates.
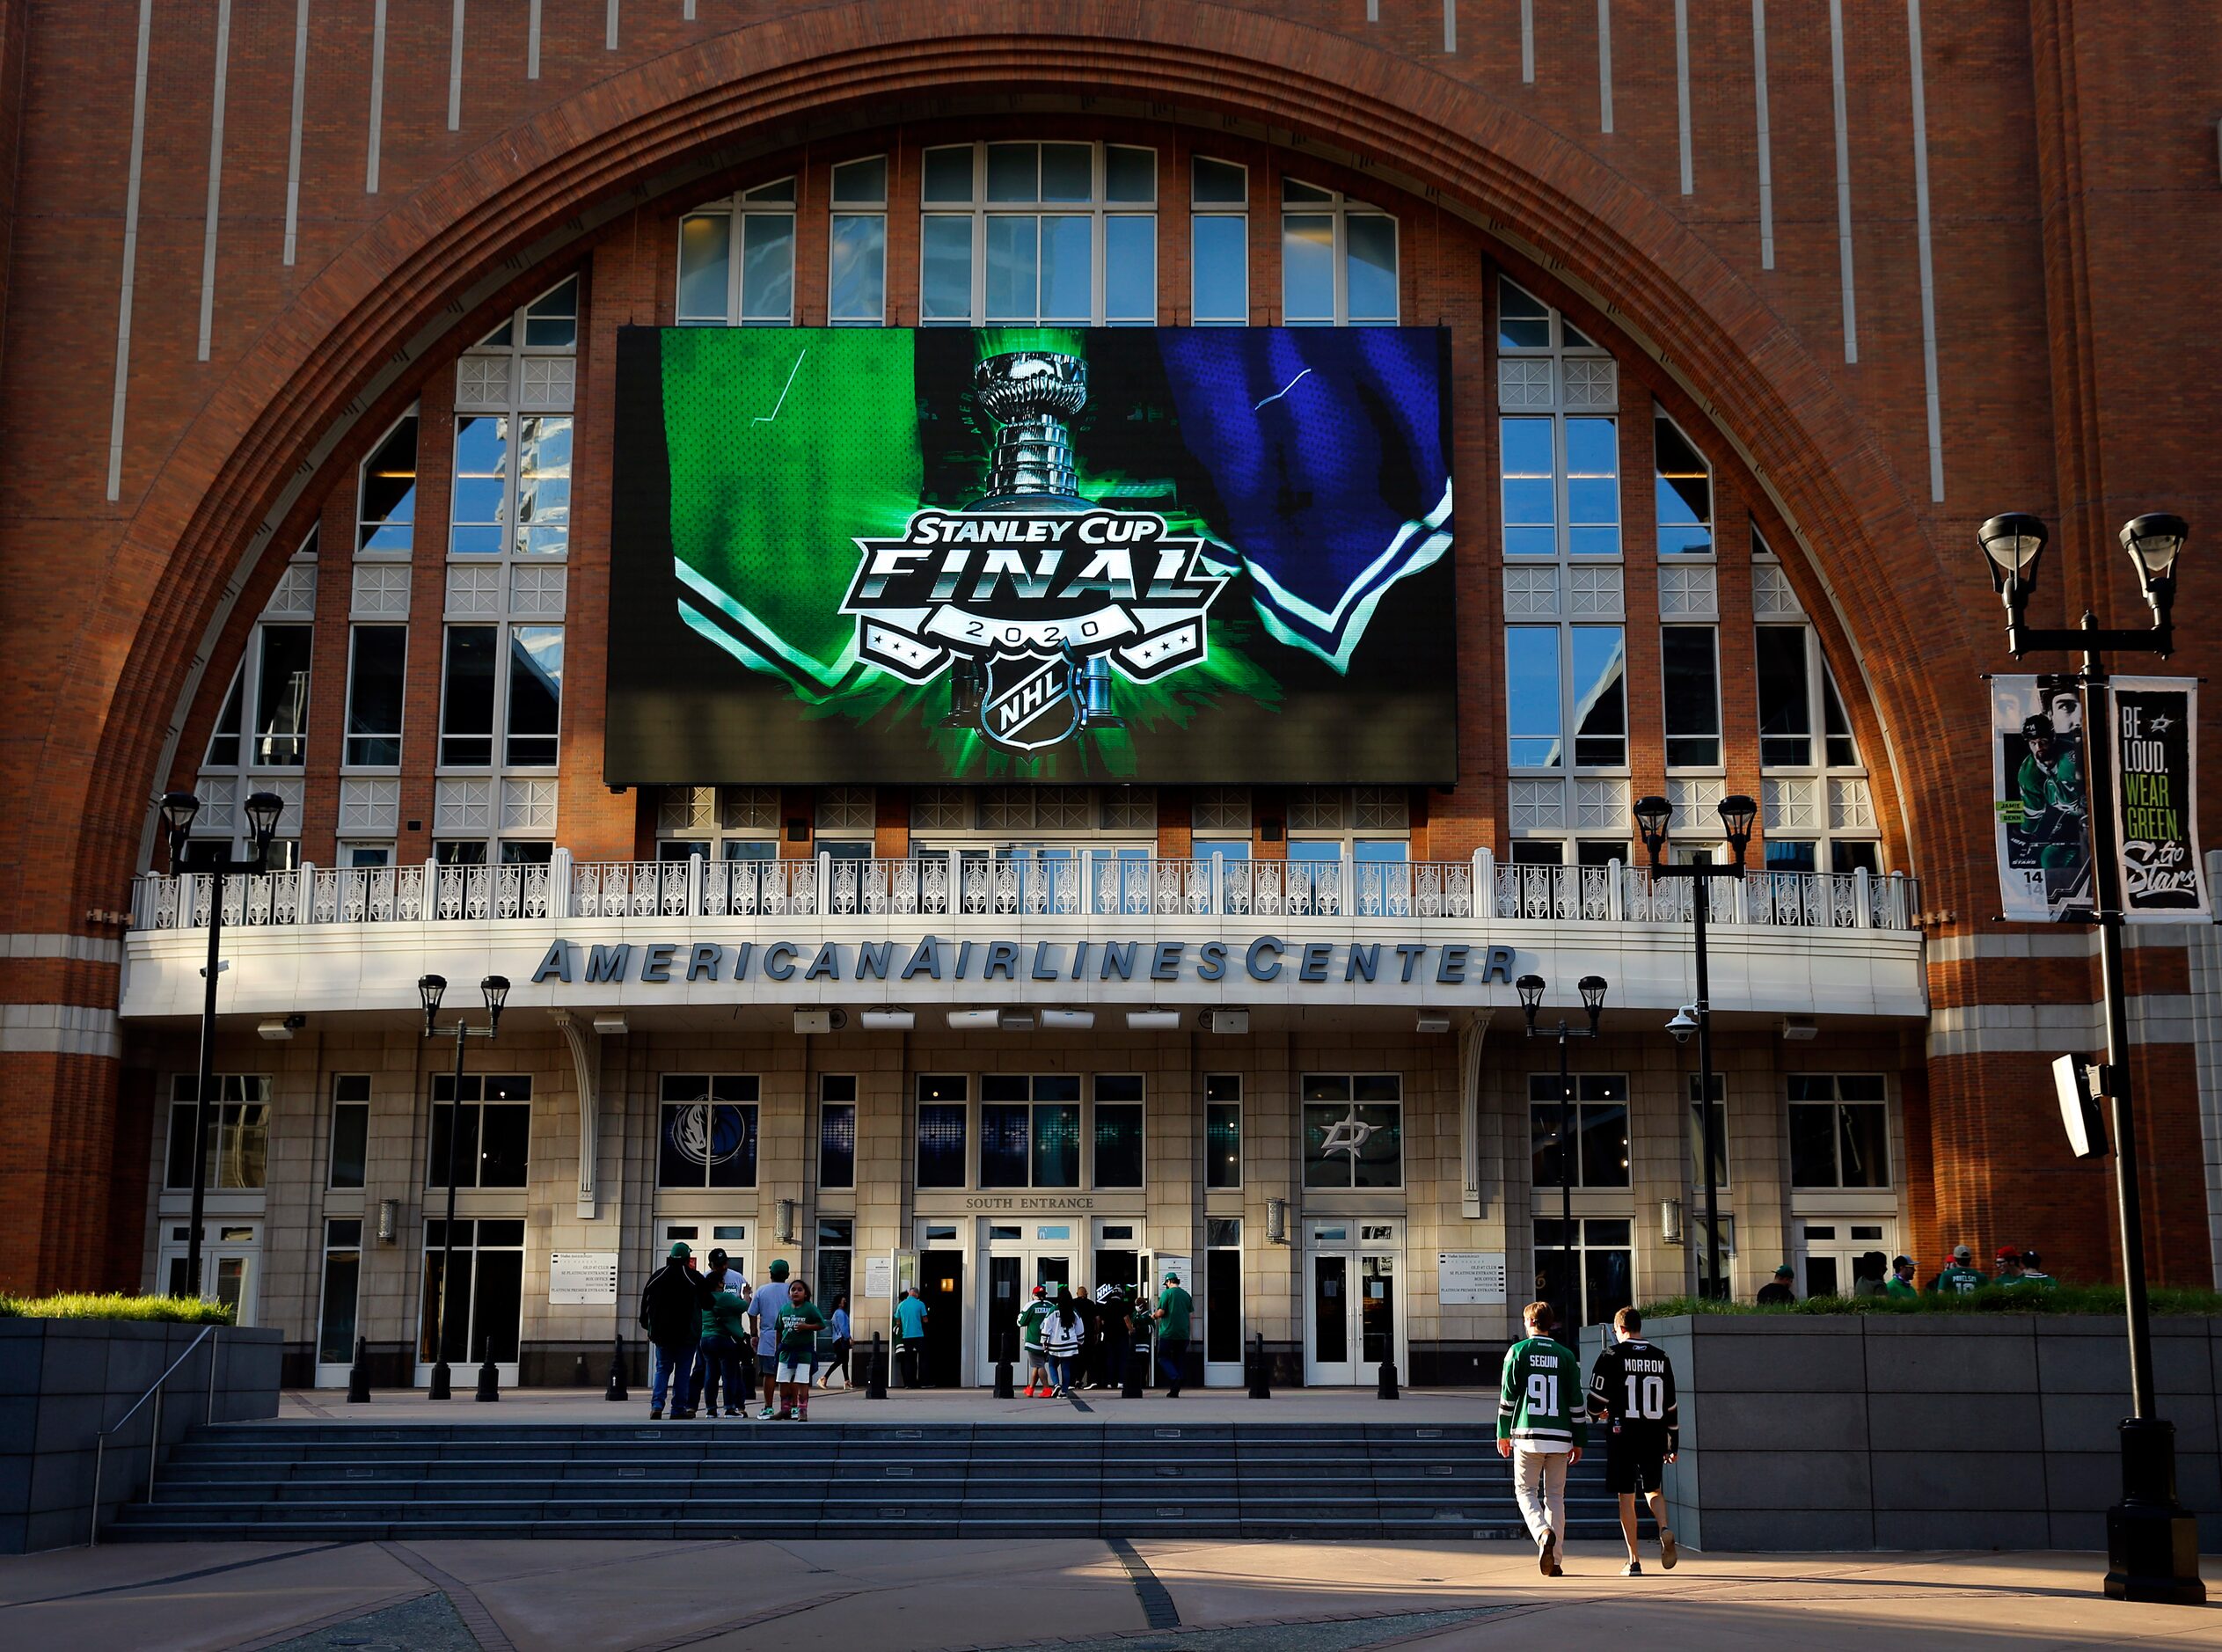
(704, 1235)
(1019, 1255)
(941, 1285)
(231, 1265)
(1835, 1255)
(1354, 1301)
(487, 1308)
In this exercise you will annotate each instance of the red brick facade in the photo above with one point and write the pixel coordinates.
(2070, 166)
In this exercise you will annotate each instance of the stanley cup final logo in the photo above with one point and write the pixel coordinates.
(1031, 597)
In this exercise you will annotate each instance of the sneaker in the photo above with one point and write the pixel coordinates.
(764, 1415)
(1546, 1554)
(803, 1414)
(736, 1411)
(1668, 1552)
(655, 1414)
(1634, 1569)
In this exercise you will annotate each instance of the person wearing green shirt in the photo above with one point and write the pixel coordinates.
(724, 1332)
(1030, 1318)
(1175, 1306)
(1959, 1275)
(796, 1330)
(2013, 1271)
(1900, 1283)
(1542, 1427)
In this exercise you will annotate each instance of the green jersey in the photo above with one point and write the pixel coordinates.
(1896, 1287)
(1539, 1402)
(1030, 1318)
(1958, 1281)
(798, 1325)
(1174, 1305)
(2042, 1281)
(725, 1316)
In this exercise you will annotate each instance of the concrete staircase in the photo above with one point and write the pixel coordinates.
(732, 1479)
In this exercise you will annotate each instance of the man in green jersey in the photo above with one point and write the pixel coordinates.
(2014, 1270)
(1959, 1276)
(1900, 1283)
(1541, 1427)
(1175, 1306)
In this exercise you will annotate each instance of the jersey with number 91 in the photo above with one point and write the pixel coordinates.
(1632, 1392)
(1539, 1401)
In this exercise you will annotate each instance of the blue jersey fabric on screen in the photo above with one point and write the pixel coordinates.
(1327, 451)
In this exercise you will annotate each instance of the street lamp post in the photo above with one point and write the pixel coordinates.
(1531, 990)
(2151, 1540)
(178, 811)
(1653, 817)
(430, 989)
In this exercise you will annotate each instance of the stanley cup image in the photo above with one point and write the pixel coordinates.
(1030, 394)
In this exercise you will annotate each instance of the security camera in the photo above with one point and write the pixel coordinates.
(1683, 1024)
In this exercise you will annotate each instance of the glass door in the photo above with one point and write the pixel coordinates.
(336, 1301)
(230, 1266)
(1019, 1256)
(1354, 1303)
(1327, 1361)
(486, 1309)
(1835, 1256)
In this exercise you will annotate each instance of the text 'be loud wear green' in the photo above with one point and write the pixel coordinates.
(1539, 1402)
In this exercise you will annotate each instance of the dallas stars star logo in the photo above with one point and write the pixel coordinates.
(1348, 1135)
(2161, 724)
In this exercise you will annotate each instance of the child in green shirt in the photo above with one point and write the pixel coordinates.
(796, 1331)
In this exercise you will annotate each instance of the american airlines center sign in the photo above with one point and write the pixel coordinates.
(870, 555)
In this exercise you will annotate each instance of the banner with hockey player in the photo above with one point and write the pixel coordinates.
(2039, 798)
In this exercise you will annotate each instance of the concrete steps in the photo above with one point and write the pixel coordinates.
(287, 1481)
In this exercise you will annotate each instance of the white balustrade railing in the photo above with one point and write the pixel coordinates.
(977, 883)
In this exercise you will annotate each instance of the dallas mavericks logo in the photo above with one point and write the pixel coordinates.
(708, 1134)
(1031, 596)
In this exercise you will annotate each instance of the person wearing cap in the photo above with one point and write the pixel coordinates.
(2032, 1269)
(1776, 1293)
(1900, 1283)
(724, 1329)
(1175, 1309)
(2014, 1270)
(671, 1306)
(1030, 1318)
(771, 1300)
(1959, 1275)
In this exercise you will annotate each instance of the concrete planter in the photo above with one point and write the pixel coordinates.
(1923, 1431)
(62, 1381)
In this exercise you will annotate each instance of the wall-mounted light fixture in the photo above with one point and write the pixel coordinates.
(1670, 1221)
(888, 1020)
(1153, 1020)
(1276, 1221)
(389, 1216)
(1067, 1021)
(786, 1221)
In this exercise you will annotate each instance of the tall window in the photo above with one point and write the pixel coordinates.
(942, 1113)
(1353, 1130)
(838, 1130)
(1220, 243)
(736, 259)
(1039, 232)
(280, 716)
(1222, 1130)
(494, 1121)
(857, 244)
(350, 1129)
(1598, 1118)
(1557, 439)
(524, 681)
(238, 1132)
(1818, 810)
(1689, 668)
(1567, 677)
(512, 486)
(342, 1277)
(836, 1245)
(386, 495)
(1840, 1131)
(1338, 259)
(1604, 1268)
(1683, 492)
(1029, 1130)
(1117, 1131)
(378, 656)
(707, 1131)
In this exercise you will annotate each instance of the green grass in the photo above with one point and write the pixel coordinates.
(2087, 1300)
(84, 1306)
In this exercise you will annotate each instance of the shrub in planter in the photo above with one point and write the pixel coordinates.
(112, 1306)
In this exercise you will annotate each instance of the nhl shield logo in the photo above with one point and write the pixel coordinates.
(1030, 700)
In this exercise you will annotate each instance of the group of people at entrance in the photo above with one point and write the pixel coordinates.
(709, 1332)
(1544, 1415)
(1075, 1341)
(1958, 1276)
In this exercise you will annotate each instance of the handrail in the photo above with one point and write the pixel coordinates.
(154, 1441)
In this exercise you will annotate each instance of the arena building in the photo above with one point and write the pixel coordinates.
(567, 453)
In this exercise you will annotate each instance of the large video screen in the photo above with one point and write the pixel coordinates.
(1165, 555)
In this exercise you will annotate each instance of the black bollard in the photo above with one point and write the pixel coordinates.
(1386, 1389)
(875, 1387)
(489, 1379)
(1260, 1384)
(1004, 1388)
(359, 1374)
(616, 1390)
(1138, 1369)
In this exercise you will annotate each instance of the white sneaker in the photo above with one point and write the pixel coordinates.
(1634, 1569)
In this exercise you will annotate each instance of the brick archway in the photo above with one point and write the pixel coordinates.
(229, 466)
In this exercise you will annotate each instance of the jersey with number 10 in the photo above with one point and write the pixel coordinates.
(1632, 1392)
(1539, 1401)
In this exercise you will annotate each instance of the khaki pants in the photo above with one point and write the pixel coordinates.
(1539, 1481)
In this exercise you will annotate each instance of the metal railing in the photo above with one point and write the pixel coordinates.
(966, 883)
(154, 1436)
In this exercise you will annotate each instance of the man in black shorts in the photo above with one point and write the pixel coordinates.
(1632, 1393)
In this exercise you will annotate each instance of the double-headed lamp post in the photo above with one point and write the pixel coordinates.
(178, 811)
(2151, 1541)
(431, 989)
(1653, 817)
(1531, 990)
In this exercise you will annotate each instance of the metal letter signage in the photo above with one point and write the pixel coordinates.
(1029, 596)
(2156, 799)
